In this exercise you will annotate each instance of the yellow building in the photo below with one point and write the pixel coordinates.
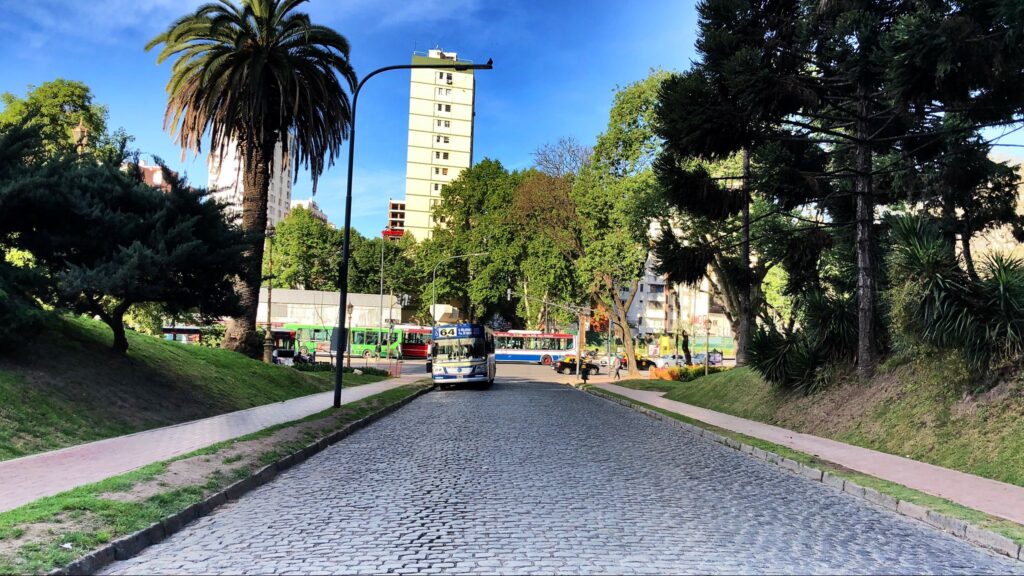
(441, 110)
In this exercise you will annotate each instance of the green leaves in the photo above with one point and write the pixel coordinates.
(258, 72)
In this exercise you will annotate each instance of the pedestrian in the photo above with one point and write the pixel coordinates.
(618, 366)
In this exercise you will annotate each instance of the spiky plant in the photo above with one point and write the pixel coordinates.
(257, 73)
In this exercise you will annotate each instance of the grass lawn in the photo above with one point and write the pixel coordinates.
(54, 531)
(1007, 528)
(918, 409)
(71, 389)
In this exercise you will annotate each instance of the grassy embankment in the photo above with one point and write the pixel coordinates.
(53, 531)
(919, 410)
(65, 387)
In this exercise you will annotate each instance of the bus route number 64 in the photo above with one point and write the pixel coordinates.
(446, 332)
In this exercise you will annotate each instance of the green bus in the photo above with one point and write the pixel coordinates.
(310, 338)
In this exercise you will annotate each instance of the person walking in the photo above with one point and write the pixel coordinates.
(618, 366)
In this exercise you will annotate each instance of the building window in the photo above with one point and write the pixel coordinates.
(438, 139)
(439, 123)
(440, 91)
(445, 156)
(447, 107)
(657, 288)
(439, 107)
(444, 171)
(437, 155)
(437, 170)
(447, 124)
(440, 75)
(449, 76)
(437, 186)
(445, 139)
(447, 91)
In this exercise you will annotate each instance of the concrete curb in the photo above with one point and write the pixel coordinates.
(130, 545)
(977, 536)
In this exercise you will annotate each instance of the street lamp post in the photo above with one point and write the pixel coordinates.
(343, 273)
(433, 283)
(268, 340)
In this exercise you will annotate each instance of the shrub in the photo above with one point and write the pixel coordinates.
(938, 304)
(789, 360)
(325, 367)
(683, 373)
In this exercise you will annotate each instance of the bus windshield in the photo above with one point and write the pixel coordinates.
(460, 349)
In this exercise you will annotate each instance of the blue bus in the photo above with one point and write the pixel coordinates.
(462, 354)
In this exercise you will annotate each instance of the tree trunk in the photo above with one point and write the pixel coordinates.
(686, 348)
(867, 358)
(621, 308)
(744, 320)
(965, 247)
(115, 319)
(240, 334)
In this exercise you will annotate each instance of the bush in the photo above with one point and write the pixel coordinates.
(939, 305)
(325, 367)
(683, 373)
(789, 360)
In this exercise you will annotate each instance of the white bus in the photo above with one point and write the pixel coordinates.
(462, 354)
(533, 346)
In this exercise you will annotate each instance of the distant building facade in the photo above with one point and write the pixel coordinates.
(440, 144)
(314, 209)
(320, 308)
(153, 175)
(226, 176)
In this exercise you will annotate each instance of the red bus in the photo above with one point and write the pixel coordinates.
(414, 340)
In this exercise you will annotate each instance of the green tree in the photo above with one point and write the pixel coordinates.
(865, 81)
(107, 241)
(55, 108)
(617, 196)
(257, 73)
(473, 217)
(306, 253)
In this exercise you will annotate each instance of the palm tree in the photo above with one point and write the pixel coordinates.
(257, 74)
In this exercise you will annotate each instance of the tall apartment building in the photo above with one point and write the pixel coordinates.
(226, 182)
(314, 209)
(441, 104)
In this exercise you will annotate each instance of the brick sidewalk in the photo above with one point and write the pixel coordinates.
(32, 477)
(989, 496)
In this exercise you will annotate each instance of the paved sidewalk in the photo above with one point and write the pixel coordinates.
(989, 496)
(32, 477)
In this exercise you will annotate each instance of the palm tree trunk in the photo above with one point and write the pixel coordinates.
(240, 334)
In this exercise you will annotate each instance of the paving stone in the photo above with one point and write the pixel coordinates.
(530, 477)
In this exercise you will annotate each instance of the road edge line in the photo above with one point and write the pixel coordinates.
(130, 545)
(960, 529)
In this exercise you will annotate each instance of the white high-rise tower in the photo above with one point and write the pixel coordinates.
(226, 177)
(441, 114)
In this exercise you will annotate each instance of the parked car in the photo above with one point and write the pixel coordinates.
(715, 359)
(644, 363)
(568, 364)
(611, 361)
(670, 360)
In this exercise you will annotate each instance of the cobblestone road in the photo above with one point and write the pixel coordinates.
(531, 477)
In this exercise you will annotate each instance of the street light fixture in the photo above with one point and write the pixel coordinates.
(343, 273)
(433, 282)
(80, 134)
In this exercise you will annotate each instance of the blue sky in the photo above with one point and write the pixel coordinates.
(556, 66)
